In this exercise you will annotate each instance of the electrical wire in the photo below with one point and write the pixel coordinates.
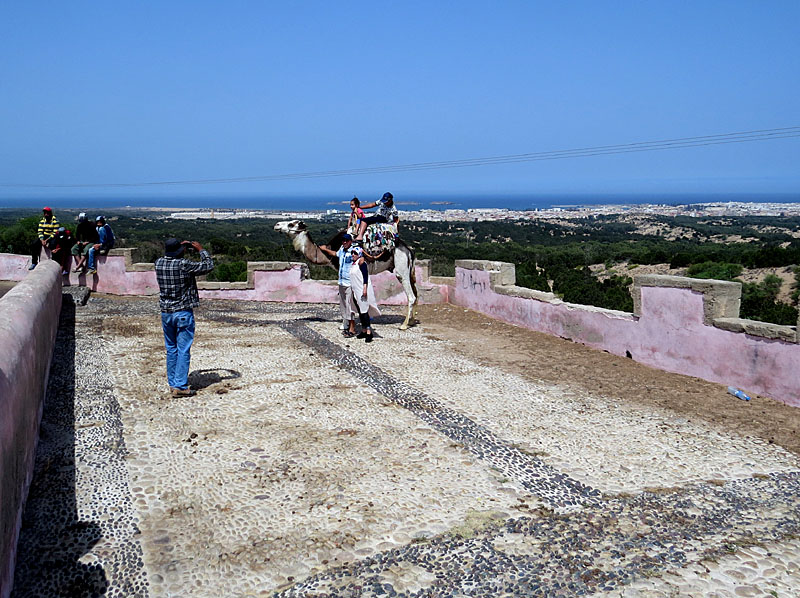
(585, 152)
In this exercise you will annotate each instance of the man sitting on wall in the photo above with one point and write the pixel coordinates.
(48, 226)
(105, 243)
(62, 244)
(86, 236)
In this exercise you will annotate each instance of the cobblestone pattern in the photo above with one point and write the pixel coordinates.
(583, 544)
(598, 549)
(79, 527)
(556, 489)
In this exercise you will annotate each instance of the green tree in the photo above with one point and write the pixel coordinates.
(759, 302)
(715, 270)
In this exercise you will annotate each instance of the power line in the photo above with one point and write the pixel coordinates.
(586, 152)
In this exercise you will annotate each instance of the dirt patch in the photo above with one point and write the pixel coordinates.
(6, 286)
(536, 356)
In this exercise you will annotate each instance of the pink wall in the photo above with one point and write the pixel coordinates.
(29, 316)
(671, 332)
(269, 281)
(291, 286)
(679, 325)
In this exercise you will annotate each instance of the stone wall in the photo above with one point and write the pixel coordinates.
(29, 316)
(683, 325)
(266, 281)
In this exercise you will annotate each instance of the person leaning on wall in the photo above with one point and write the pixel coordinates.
(48, 227)
(85, 237)
(105, 243)
(178, 297)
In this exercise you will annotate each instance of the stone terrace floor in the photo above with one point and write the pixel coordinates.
(462, 457)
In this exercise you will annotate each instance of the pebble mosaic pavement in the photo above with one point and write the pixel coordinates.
(313, 465)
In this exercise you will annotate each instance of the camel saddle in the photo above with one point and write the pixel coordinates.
(378, 237)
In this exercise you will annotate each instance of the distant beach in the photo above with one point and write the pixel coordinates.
(418, 201)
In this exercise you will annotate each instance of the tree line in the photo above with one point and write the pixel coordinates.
(549, 256)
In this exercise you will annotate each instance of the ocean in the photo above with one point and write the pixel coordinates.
(403, 202)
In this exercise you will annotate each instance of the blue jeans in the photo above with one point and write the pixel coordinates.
(178, 337)
(92, 257)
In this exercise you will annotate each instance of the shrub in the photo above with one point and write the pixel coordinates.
(714, 270)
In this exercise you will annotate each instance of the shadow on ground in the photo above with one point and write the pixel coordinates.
(53, 538)
(200, 379)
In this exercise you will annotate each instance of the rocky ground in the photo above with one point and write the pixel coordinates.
(464, 457)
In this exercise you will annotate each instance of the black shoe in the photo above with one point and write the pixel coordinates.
(368, 338)
(361, 334)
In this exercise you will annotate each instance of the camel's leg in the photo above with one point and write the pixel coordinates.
(412, 301)
(402, 269)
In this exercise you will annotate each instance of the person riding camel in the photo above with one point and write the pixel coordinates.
(386, 213)
(356, 216)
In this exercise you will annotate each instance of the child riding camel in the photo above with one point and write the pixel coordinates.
(386, 213)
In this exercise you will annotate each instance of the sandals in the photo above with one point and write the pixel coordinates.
(348, 334)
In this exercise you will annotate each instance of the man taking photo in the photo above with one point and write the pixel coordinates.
(178, 298)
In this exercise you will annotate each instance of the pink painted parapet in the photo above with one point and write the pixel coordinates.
(13, 266)
(289, 282)
(28, 323)
(682, 325)
(266, 281)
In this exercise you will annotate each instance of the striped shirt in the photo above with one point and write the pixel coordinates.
(48, 229)
(176, 281)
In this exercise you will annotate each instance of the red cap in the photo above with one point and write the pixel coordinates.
(46, 209)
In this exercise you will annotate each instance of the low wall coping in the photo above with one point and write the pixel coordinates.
(500, 273)
(526, 293)
(756, 328)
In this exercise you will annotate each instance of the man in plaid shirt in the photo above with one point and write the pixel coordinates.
(178, 298)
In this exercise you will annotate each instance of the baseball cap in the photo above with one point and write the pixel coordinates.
(99, 218)
(46, 209)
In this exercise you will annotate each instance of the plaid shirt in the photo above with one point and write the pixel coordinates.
(176, 281)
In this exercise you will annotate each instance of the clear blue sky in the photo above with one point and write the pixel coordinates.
(96, 92)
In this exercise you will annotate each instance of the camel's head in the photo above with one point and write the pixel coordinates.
(291, 227)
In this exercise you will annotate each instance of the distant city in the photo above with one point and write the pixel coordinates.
(730, 208)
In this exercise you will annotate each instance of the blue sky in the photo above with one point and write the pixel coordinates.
(127, 92)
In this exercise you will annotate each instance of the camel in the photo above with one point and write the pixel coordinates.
(399, 260)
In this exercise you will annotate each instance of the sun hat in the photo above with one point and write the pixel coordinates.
(173, 247)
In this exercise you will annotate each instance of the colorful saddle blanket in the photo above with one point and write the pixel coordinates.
(379, 237)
